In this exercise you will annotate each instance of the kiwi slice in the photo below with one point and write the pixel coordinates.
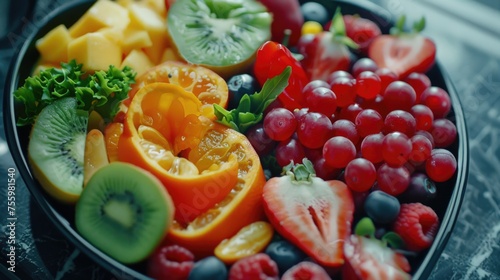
(56, 149)
(223, 35)
(124, 211)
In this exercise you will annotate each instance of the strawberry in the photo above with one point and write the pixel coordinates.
(368, 258)
(361, 30)
(404, 53)
(313, 214)
(327, 51)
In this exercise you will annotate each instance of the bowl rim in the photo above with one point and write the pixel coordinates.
(118, 269)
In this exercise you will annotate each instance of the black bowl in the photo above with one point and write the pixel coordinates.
(450, 194)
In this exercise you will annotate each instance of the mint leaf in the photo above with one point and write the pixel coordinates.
(251, 108)
(270, 91)
(365, 227)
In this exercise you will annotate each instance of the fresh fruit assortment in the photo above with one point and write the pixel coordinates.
(238, 144)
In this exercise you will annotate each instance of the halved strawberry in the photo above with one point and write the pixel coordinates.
(327, 51)
(368, 259)
(404, 53)
(313, 214)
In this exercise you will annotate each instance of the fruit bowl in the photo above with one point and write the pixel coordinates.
(450, 193)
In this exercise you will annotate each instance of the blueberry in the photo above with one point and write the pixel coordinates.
(421, 189)
(382, 207)
(285, 254)
(238, 85)
(313, 11)
(208, 268)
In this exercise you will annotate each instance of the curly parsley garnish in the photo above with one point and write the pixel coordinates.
(102, 91)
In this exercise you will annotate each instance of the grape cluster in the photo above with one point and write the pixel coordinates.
(374, 130)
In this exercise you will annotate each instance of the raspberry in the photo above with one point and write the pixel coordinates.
(171, 262)
(306, 271)
(256, 267)
(417, 224)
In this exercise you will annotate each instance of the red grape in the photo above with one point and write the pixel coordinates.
(289, 150)
(347, 129)
(419, 82)
(314, 129)
(438, 100)
(444, 133)
(363, 64)
(399, 96)
(321, 100)
(280, 124)
(369, 122)
(260, 141)
(421, 148)
(368, 85)
(371, 147)
(399, 120)
(343, 87)
(393, 180)
(338, 151)
(441, 165)
(386, 77)
(423, 117)
(396, 149)
(350, 112)
(360, 174)
(337, 74)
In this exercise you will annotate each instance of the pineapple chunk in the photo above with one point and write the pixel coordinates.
(95, 51)
(138, 61)
(53, 47)
(103, 13)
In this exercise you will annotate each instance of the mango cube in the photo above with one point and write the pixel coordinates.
(135, 39)
(112, 33)
(143, 17)
(95, 51)
(104, 13)
(138, 61)
(53, 47)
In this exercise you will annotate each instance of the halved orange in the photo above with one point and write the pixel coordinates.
(163, 120)
(206, 85)
(242, 206)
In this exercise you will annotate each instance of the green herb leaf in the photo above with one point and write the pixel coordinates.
(393, 240)
(103, 91)
(251, 107)
(270, 91)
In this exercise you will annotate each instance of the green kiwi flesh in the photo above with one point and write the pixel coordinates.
(56, 148)
(124, 211)
(218, 32)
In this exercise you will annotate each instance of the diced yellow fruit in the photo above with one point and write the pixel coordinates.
(169, 54)
(311, 27)
(95, 155)
(53, 47)
(158, 6)
(95, 52)
(124, 3)
(143, 17)
(114, 34)
(103, 13)
(138, 61)
(135, 39)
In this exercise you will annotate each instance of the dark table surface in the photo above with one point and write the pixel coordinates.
(467, 34)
